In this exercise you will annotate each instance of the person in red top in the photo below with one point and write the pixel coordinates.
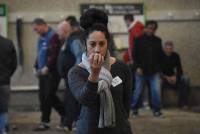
(135, 29)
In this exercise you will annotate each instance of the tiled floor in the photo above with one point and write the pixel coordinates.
(174, 122)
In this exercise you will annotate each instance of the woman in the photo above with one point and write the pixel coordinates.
(102, 85)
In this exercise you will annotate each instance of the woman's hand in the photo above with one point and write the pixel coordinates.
(96, 61)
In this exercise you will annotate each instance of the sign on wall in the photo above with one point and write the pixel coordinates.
(116, 23)
(116, 9)
(3, 20)
(116, 13)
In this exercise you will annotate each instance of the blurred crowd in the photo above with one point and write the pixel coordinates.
(100, 90)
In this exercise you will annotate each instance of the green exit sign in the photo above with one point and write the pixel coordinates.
(2, 10)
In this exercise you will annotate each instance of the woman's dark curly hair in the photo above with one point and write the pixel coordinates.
(94, 20)
(97, 27)
(92, 16)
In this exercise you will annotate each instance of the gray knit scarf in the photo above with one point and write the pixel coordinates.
(107, 108)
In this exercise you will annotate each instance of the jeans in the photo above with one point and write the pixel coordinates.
(3, 122)
(155, 87)
(182, 86)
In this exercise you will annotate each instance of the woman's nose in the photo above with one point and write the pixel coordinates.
(97, 49)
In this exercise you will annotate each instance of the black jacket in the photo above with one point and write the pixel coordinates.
(147, 55)
(66, 58)
(8, 60)
(171, 65)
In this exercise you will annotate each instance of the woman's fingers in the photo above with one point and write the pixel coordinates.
(96, 60)
(99, 60)
(102, 59)
(91, 58)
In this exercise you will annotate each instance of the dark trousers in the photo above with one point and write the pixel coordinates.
(4, 98)
(48, 85)
(72, 106)
(4, 102)
(182, 86)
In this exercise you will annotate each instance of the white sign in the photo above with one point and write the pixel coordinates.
(3, 20)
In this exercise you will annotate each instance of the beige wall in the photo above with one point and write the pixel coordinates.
(185, 34)
(186, 40)
(73, 5)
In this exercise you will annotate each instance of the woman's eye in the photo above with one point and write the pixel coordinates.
(101, 44)
(92, 44)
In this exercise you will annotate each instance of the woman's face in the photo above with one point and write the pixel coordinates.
(96, 43)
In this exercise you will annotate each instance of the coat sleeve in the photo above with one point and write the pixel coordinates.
(136, 53)
(53, 51)
(13, 59)
(83, 90)
(127, 91)
(76, 50)
(179, 69)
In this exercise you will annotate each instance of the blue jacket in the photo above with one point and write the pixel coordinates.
(43, 47)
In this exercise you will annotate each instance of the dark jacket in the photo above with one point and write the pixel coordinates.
(86, 94)
(8, 64)
(8, 60)
(43, 48)
(70, 53)
(52, 54)
(147, 54)
(171, 65)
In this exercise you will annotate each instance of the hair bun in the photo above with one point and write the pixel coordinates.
(92, 16)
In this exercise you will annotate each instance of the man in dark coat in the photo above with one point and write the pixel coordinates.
(70, 55)
(146, 56)
(172, 74)
(8, 66)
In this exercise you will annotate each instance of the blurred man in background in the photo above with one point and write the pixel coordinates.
(46, 68)
(172, 74)
(135, 29)
(8, 66)
(147, 59)
(70, 55)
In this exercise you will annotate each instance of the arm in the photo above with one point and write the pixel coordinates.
(136, 57)
(127, 91)
(137, 31)
(179, 70)
(42, 56)
(161, 53)
(135, 53)
(83, 90)
(53, 52)
(13, 59)
(36, 59)
(76, 49)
